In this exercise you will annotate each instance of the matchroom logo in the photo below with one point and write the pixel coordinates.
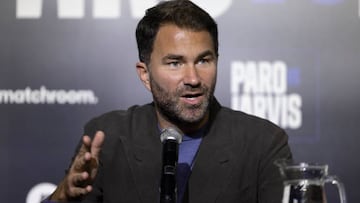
(44, 95)
(261, 88)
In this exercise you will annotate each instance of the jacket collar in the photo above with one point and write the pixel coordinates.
(214, 155)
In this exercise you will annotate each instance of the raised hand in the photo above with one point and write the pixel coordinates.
(79, 179)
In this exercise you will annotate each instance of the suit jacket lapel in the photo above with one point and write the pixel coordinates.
(214, 161)
(214, 155)
(147, 168)
(144, 154)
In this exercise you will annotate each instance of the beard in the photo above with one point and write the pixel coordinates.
(174, 110)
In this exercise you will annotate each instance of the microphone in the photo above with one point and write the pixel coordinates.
(171, 138)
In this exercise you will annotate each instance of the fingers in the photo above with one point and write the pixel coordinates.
(84, 167)
(86, 140)
(84, 151)
(89, 152)
(97, 144)
(79, 179)
(81, 161)
(77, 185)
(78, 191)
(93, 146)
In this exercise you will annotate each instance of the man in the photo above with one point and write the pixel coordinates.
(226, 156)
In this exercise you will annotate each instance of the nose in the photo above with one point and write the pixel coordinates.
(191, 76)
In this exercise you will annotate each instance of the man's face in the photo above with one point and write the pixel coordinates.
(182, 74)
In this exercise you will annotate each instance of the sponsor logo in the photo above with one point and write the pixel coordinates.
(108, 9)
(39, 192)
(44, 95)
(261, 88)
(322, 2)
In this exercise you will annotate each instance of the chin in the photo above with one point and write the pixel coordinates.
(193, 119)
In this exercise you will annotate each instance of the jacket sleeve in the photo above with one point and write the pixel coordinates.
(270, 181)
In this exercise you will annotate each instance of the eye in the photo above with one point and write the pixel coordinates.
(174, 63)
(205, 60)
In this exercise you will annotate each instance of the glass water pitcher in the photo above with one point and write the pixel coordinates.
(305, 182)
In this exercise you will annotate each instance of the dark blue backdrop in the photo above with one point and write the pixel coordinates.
(61, 64)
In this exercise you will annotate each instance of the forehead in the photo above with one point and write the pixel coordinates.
(171, 38)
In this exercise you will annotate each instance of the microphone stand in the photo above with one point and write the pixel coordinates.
(171, 139)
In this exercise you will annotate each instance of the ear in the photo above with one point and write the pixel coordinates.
(143, 73)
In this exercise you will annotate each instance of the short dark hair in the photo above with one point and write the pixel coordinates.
(182, 13)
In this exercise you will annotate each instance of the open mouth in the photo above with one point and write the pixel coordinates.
(192, 96)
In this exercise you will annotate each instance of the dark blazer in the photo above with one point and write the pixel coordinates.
(234, 162)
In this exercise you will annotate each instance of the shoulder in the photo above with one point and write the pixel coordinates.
(120, 118)
(243, 127)
(129, 113)
(257, 135)
(239, 119)
(240, 124)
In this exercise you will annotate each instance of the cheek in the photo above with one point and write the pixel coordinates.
(209, 76)
(166, 80)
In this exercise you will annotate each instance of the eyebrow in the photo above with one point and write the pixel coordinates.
(181, 57)
(205, 53)
(172, 57)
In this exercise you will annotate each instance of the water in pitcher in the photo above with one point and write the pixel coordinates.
(304, 183)
(304, 193)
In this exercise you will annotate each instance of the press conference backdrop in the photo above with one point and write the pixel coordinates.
(62, 62)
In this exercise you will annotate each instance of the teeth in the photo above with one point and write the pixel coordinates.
(192, 96)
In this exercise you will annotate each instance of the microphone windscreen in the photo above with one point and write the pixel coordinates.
(171, 133)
